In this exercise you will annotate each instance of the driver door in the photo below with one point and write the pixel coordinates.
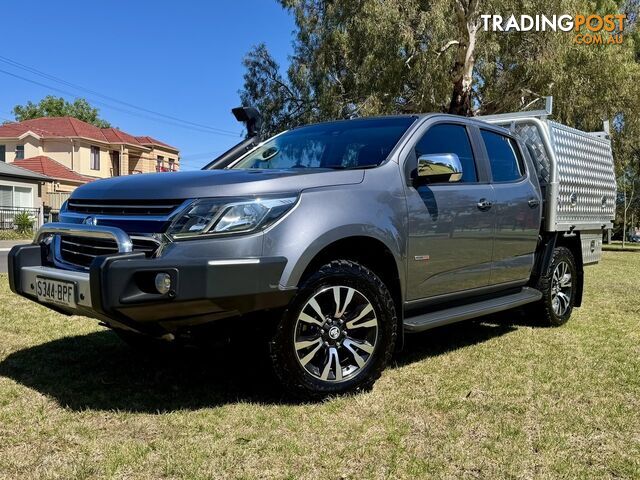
(451, 224)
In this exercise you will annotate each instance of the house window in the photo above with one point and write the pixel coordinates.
(23, 197)
(19, 152)
(172, 165)
(3, 153)
(95, 158)
(11, 196)
(159, 163)
(6, 196)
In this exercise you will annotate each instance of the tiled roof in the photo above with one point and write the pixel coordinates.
(50, 168)
(72, 127)
(152, 141)
(11, 170)
(113, 135)
(54, 127)
(11, 130)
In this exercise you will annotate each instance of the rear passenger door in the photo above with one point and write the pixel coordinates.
(517, 206)
(450, 226)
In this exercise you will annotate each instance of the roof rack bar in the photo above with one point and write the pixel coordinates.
(548, 109)
(548, 104)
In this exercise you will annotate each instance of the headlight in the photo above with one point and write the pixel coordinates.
(220, 216)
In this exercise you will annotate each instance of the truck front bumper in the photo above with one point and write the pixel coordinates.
(119, 289)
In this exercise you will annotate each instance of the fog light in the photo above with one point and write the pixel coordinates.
(163, 283)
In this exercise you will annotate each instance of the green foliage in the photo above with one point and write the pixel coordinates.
(14, 235)
(366, 57)
(23, 223)
(51, 106)
(282, 103)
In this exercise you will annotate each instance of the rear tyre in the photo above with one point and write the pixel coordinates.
(558, 287)
(337, 334)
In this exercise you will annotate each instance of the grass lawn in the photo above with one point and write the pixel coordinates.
(499, 398)
(616, 245)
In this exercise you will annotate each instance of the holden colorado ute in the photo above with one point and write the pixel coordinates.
(343, 236)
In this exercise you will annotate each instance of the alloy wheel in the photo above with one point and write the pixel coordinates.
(561, 286)
(336, 333)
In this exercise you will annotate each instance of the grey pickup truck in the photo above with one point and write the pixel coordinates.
(342, 237)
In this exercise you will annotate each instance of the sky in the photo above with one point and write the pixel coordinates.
(180, 59)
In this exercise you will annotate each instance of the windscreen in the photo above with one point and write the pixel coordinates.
(346, 144)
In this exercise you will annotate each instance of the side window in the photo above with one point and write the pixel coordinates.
(3, 153)
(450, 138)
(504, 157)
(19, 152)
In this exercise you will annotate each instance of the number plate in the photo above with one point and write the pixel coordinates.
(56, 291)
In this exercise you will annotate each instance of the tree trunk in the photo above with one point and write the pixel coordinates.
(624, 221)
(627, 204)
(462, 72)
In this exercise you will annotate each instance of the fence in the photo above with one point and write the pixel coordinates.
(8, 215)
(55, 200)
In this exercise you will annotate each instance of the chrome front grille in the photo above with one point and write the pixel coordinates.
(80, 251)
(148, 246)
(123, 207)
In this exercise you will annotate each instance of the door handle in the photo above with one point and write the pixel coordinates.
(484, 204)
(533, 202)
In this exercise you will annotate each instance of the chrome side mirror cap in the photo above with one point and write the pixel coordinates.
(440, 167)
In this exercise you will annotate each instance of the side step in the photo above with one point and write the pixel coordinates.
(429, 320)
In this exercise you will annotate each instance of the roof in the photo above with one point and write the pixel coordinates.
(11, 170)
(53, 127)
(154, 142)
(69, 127)
(113, 135)
(50, 168)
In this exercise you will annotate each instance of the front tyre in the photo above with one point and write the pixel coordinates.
(558, 287)
(337, 334)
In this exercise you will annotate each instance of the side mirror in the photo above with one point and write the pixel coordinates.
(440, 167)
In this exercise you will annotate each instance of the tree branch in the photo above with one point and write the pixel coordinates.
(446, 46)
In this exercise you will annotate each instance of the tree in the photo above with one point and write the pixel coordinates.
(280, 102)
(627, 173)
(51, 106)
(467, 22)
(364, 57)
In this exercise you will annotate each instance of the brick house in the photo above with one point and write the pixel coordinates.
(73, 152)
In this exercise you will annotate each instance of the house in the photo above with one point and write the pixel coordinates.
(21, 190)
(62, 182)
(74, 152)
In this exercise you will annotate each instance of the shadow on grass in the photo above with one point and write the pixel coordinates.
(100, 372)
(439, 341)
